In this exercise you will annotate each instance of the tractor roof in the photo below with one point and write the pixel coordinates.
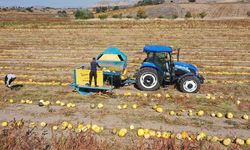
(157, 48)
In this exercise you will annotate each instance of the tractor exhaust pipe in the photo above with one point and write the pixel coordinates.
(178, 54)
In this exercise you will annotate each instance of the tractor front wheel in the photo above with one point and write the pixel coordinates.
(148, 79)
(189, 84)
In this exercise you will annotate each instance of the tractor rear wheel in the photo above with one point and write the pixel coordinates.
(148, 79)
(189, 84)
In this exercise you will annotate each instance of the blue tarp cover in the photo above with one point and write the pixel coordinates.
(157, 48)
(113, 65)
(113, 50)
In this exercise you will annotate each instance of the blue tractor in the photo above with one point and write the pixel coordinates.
(159, 69)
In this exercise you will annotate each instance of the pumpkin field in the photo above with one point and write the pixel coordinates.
(43, 112)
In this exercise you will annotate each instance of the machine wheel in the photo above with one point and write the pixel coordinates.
(148, 79)
(189, 84)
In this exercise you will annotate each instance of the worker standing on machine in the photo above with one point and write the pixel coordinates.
(93, 71)
(9, 78)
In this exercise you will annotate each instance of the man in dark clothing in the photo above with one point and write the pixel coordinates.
(93, 69)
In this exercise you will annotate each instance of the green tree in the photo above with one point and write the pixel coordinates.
(116, 8)
(117, 16)
(62, 13)
(5, 9)
(150, 2)
(174, 16)
(203, 14)
(101, 9)
(141, 13)
(160, 16)
(83, 14)
(188, 15)
(129, 16)
(102, 17)
(29, 9)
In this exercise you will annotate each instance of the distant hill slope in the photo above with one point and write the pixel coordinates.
(213, 10)
(132, 2)
(209, 1)
(116, 2)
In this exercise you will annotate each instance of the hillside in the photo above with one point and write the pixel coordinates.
(132, 2)
(208, 1)
(213, 10)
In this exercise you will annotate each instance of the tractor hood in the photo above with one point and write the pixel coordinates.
(188, 68)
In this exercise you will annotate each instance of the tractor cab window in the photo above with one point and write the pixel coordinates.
(158, 58)
(160, 55)
(164, 60)
(150, 57)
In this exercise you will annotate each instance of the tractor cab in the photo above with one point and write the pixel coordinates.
(159, 68)
(161, 58)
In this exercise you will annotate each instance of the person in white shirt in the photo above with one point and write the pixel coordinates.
(9, 78)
